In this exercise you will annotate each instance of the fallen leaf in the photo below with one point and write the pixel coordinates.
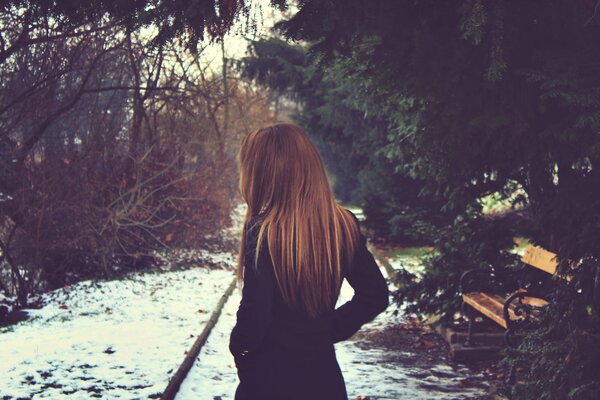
(424, 344)
(465, 383)
(568, 357)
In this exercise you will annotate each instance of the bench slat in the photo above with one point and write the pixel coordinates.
(540, 258)
(534, 301)
(492, 305)
(489, 305)
(544, 260)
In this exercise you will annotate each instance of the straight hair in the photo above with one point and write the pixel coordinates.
(310, 236)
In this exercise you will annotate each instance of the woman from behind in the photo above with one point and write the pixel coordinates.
(296, 248)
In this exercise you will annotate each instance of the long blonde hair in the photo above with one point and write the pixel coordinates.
(310, 236)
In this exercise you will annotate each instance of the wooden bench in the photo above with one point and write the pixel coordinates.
(493, 305)
(512, 310)
(515, 310)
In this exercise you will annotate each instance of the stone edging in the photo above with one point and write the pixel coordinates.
(175, 382)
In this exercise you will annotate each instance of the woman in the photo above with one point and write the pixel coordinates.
(297, 246)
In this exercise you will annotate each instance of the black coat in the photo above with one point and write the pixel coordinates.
(282, 354)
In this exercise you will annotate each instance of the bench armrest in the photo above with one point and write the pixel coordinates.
(518, 313)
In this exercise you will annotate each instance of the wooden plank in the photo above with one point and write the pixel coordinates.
(540, 258)
(544, 260)
(192, 355)
(489, 305)
(492, 305)
(534, 301)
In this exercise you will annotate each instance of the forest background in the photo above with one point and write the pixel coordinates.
(459, 124)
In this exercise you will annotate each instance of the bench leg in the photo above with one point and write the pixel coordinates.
(470, 315)
(522, 311)
(510, 379)
(508, 338)
(469, 340)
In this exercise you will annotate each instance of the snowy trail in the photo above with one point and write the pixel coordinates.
(124, 339)
(192, 354)
(117, 339)
(368, 371)
(214, 376)
(113, 339)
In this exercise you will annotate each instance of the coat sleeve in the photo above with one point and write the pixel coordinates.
(371, 294)
(254, 313)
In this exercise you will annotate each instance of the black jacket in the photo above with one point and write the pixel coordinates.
(281, 353)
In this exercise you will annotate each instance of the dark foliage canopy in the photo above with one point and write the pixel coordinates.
(479, 97)
(188, 21)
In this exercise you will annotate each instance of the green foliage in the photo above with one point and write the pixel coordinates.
(410, 252)
(477, 96)
(468, 243)
(394, 206)
(351, 137)
(448, 122)
(473, 20)
(560, 356)
(503, 201)
(188, 22)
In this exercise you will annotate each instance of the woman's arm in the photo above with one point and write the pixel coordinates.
(255, 313)
(371, 294)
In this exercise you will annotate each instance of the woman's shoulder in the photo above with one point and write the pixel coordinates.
(352, 214)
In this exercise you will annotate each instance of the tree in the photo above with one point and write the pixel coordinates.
(111, 150)
(352, 143)
(479, 95)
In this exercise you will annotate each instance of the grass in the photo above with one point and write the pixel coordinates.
(520, 245)
(404, 252)
(406, 258)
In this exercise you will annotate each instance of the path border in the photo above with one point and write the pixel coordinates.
(391, 272)
(175, 382)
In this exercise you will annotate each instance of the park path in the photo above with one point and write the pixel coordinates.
(125, 338)
(369, 369)
(117, 339)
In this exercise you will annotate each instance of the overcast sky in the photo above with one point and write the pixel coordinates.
(236, 44)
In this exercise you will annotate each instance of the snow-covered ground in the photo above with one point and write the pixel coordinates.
(119, 339)
(123, 339)
(368, 370)
(115, 339)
